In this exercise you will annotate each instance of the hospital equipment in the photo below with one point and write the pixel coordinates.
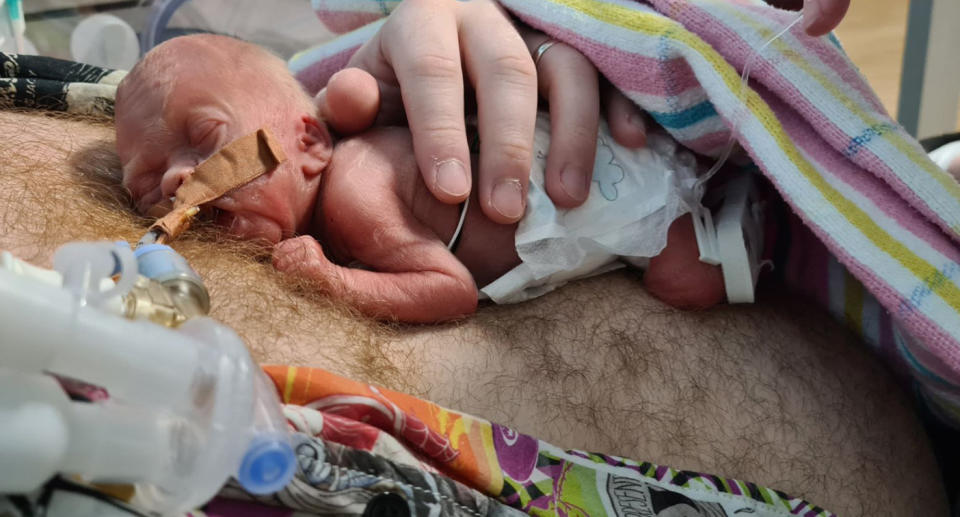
(112, 34)
(187, 408)
(13, 27)
(17, 25)
(105, 40)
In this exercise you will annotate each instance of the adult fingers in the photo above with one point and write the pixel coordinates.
(423, 49)
(569, 82)
(505, 82)
(626, 119)
(822, 16)
(350, 101)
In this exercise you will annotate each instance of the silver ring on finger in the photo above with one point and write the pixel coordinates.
(541, 50)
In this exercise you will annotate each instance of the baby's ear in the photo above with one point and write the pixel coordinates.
(315, 144)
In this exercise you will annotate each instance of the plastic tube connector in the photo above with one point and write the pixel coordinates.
(84, 266)
(268, 465)
(190, 407)
(164, 265)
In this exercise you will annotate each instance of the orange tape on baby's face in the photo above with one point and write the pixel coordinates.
(237, 164)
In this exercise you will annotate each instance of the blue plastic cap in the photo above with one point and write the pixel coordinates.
(147, 248)
(268, 466)
(159, 260)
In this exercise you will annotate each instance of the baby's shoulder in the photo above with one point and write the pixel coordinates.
(377, 166)
(376, 148)
(377, 161)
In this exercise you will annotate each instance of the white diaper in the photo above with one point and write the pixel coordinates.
(634, 196)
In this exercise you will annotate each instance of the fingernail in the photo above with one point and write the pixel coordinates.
(811, 13)
(507, 198)
(573, 184)
(451, 178)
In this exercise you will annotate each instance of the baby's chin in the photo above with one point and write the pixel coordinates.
(252, 227)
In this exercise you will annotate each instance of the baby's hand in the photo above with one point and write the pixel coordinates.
(303, 256)
(438, 290)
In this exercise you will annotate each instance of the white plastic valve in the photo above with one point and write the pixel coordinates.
(187, 408)
(84, 266)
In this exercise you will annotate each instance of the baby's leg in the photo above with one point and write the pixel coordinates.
(678, 278)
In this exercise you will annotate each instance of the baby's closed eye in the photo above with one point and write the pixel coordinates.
(206, 135)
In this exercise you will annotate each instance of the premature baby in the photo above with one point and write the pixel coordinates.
(324, 208)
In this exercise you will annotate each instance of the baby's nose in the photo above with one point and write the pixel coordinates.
(173, 178)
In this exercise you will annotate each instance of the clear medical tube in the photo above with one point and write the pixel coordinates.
(738, 114)
(703, 224)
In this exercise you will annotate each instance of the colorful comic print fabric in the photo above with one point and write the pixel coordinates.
(525, 473)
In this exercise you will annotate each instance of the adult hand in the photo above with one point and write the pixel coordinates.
(419, 60)
(822, 16)
(569, 82)
(415, 62)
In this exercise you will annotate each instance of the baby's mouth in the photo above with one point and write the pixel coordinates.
(209, 213)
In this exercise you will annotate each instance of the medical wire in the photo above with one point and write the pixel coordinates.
(739, 112)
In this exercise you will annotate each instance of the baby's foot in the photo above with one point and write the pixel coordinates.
(677, 276)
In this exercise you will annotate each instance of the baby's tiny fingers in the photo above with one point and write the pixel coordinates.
(626, 119)
(296, 254)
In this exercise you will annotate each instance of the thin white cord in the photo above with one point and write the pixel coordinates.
(699, 186)
(463, 217)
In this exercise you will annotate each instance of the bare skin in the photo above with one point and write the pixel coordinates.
(774, 393)
(372, 205)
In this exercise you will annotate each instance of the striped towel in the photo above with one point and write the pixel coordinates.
(888, 216)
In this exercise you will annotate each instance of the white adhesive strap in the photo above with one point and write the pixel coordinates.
(740, 239)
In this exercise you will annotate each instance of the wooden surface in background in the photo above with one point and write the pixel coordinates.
(873, 34)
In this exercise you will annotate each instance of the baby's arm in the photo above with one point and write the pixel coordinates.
(417, 279)
(416, 292)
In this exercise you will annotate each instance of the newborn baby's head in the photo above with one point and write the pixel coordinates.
(193, 95)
